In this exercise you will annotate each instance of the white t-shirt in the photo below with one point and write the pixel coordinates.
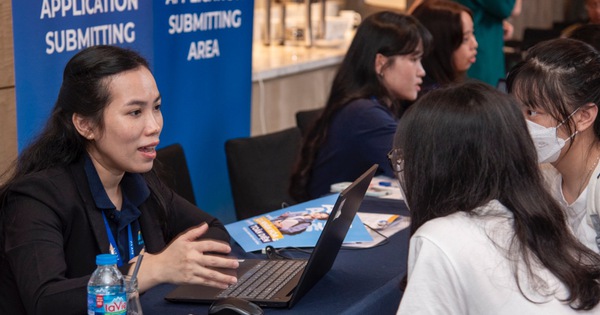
(459, 264)
(577, 211)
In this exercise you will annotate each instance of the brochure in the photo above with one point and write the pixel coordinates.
(381, 226)
(299, 225)
(380, 186)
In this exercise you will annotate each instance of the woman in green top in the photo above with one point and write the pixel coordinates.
(488, 16)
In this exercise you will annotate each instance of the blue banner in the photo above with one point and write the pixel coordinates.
(47, 33)
(204, 71)
(200, 52)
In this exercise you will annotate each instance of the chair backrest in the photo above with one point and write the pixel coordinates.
(305, 119)
(532, 36)
(260, 168)
(173, 171)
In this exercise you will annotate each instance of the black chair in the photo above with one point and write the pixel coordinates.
(561, 25)
(305, 119)
(173, 171)
(259, 171)
(532, 36)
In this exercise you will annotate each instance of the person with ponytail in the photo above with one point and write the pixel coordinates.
(558, 88)
(87, 186)
(381, 68)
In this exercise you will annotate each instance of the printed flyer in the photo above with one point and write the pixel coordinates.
(295, 226)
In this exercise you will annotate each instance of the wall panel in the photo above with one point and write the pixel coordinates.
(8, 127)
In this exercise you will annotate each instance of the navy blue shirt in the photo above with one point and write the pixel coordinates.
(360, 135)
(135, 192)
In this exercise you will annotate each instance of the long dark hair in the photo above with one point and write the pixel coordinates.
(385, 33)
(85, 91)
(558, 76)
(443, 20)
(466, 145)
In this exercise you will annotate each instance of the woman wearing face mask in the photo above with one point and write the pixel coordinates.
(558, 86)
(486, 236)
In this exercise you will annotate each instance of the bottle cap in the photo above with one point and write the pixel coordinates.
(106, 259)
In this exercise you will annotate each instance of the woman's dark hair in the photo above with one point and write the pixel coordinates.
(85, 91)
(465, 145)
(386, 33)
(443, 20)
(558, 76)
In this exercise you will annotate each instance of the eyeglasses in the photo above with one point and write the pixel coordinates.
(396, 158)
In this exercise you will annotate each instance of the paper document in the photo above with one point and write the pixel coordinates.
(299, 225)
(381, 186)
(380, 226)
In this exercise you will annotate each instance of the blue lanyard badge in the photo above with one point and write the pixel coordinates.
(114, 248)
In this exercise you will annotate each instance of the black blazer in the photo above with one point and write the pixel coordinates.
(52, 231)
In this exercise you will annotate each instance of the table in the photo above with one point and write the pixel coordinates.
(361, 281)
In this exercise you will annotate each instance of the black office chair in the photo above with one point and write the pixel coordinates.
(532, 36)
(562, 25)
(173, 171)
(260, 169)
(305, 119)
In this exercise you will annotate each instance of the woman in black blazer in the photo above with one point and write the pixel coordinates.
(86, 186)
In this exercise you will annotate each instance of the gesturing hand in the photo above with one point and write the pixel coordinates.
(189, 260)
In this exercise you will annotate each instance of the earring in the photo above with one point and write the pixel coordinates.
(380, 74)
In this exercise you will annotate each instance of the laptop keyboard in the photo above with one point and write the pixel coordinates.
(264, 279)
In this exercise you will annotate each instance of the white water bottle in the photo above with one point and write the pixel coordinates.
(106, 288)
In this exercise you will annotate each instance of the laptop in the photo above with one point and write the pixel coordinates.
(307, 273)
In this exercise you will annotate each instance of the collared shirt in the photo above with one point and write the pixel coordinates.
(360, 135)
(135, 192)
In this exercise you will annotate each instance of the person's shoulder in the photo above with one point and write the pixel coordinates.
(363, 108)
(361, 104)
(445, 233)
(466, 224)
(447, 225)
(51, 175)
(442, 237)
(478, 233)
(53, 183)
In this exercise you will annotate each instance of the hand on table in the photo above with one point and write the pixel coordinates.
(187, 260)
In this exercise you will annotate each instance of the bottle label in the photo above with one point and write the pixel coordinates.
(107, 304)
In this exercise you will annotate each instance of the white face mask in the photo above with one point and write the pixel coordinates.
(547, 143)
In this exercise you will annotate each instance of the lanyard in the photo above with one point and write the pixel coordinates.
(113, 244)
